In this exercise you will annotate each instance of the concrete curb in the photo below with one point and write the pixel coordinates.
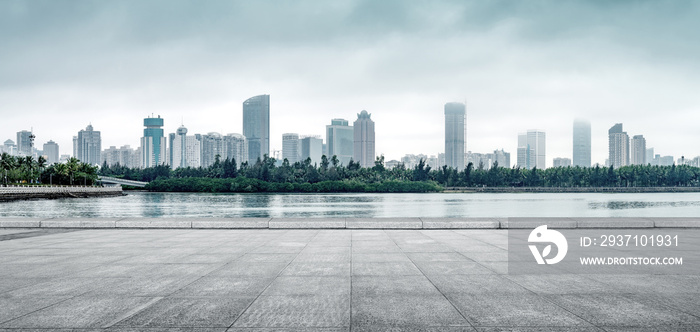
(347, 223)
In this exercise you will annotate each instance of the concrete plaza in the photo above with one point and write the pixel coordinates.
(314, 280)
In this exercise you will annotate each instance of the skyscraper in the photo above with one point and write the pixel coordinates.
(256, 126)
(153, 146)
(185, 151)
(89, 146)
(455, 134)
(25, 142)
(363, 148)
(582, 143)
(236, 148)
(291, 149)
(618, 146)
(51, 152)
(638, 150)
(340, 139)
(212, 146)
(312, 147)
(531, 149)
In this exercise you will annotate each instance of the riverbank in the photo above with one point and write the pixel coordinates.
(54, 192)
(571, 190)
(346, 223)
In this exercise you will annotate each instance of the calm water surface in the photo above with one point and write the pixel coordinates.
(144, 204)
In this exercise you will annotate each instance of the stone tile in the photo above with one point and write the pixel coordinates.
(57, 287)
(189, 312)
(81, 312)
(231, 223)
(560, 284)
(317, 269)
(461, 223)
(224, 286)
(309, 285)
(392, 286)
(414, 311)
(379, 257)
(534, 222)
(383, 223)
(621, 310)
(297, 311)
(614, 223)
(385, 269)
(513, 310)
(676, 222)
(259, 258)
(440, 268)
(476, 284)
(145, 223)
(539, 329)
(326, 258)
(307, 223)
(11, 308)
(264, 269)
(437, 257)
(412, 328)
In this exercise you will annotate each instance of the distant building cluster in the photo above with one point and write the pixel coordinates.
(343, 142)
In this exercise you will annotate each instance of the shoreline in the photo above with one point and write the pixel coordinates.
(8, 194)
(572, 190)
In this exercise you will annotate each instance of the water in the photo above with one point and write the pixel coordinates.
(144, 204)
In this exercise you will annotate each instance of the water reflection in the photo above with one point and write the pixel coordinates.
(453, 205)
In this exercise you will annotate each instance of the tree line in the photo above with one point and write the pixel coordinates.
(28, 170)
(308, 176)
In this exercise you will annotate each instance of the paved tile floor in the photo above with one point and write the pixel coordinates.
(316, 280)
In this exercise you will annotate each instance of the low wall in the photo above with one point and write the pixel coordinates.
(50, 192)
(347, 223)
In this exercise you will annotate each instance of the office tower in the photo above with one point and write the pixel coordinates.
(9, 147)
(582, 143)
(618, 146)
(340, 139)
(363, 148)
(561, 162)
(185, 151)
(212, 146)
(531, 149)
(502, 157)
(256, 126)
(291, 149)
(25, 142)
(236, 148)
(89, 146)
(455, 134)
(153, 146)
(311, 147)
(441, 159)
(75, 146)
(650, 156)
(638, 150)
(51, 152)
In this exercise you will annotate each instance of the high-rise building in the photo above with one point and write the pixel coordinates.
(9, 147)
(185, 151)
(531, 149)
(582, 143)
(650, 156)
(256, 126)
(561, 162)
(363, 148)
(25, 143)
(153, 143)
(89, 146)
(236, 148)
(340, 139)
(502, 157)
(51, 152)
(291, 147)
(455, 134)
(311, 147)
(212, 146)
(638, 150)
(618, 146)
(75, 146)
(123, 156)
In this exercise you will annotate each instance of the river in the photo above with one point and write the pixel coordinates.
(450, 205)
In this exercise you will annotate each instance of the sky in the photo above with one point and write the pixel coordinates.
(518, 65)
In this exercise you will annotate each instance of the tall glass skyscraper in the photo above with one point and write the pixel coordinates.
(153, 146)
(363, 151)
(340, 139)
(89, 146)
(256, 126)
(25, 142)
(618, 146)
(582, 143)
(455, 134)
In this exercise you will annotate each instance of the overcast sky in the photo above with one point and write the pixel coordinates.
(518, 64)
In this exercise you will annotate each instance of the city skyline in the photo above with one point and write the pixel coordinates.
(513, 65)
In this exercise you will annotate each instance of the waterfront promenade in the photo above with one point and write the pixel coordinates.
(135, 279)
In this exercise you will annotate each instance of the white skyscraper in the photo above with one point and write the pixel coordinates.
(363, 149)
(340, 140)
(212, 146)
(455, 135)
(236, 148)
(312, 147)
(532, 149)
(582, 143)
(51, 152)
(291, 149)
(89, 146)
(185, 151)
(638, 150)
(618, 146)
